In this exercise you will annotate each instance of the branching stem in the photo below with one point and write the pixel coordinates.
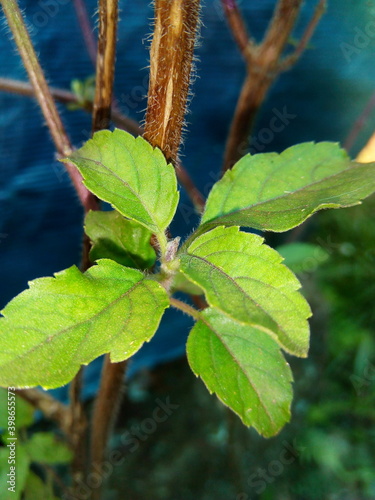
(264, 63)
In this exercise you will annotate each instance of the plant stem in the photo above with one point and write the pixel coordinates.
(236, 24)
(31, 63)
(262, 69)
(182, 306)
(43, 95)
(51, 408)
(120, 120)
(171, 58)
(86, 29)
(105, 64)
(264, 63)
(306, 37)
(105, 411)
(359, 123)
(78, 432)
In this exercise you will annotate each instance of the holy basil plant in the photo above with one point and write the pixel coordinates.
(255, 309)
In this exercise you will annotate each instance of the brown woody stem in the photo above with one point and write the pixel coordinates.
(78, 431)
(264, 64)
(236, 24)
(105, 64)
(171, 57)
(105, 411)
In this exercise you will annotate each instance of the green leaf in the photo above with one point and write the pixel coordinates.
(35, 489)
(131, 175)
(21, 465)
(273, 192)
(49, 330)
(182, 284)
(24, 412)
(303, 257)
(45, 448)
(122, 240)
(244, 367)
(246, 280)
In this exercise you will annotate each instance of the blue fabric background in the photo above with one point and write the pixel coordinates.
(41, 219)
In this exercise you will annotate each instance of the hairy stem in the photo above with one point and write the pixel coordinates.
(105, 412)
(171, 57)
(43, 95)
(105, 64)
(182, 306)
(31, 63)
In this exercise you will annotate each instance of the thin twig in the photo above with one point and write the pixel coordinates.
(51, 408)
(306, 37)
(105, 64)
(120, 120)
(44, 97)
(66, 97)
(359, 123)
(86, 29)
(237, 24)
(31, 63)
(105, 411)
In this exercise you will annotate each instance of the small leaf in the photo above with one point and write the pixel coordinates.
(244, 367)
(303, 257)
(122, 240)
(273, 192)
(60, 323)
(24, 412)
(45, 448)
(131, 175)
(246, 280)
